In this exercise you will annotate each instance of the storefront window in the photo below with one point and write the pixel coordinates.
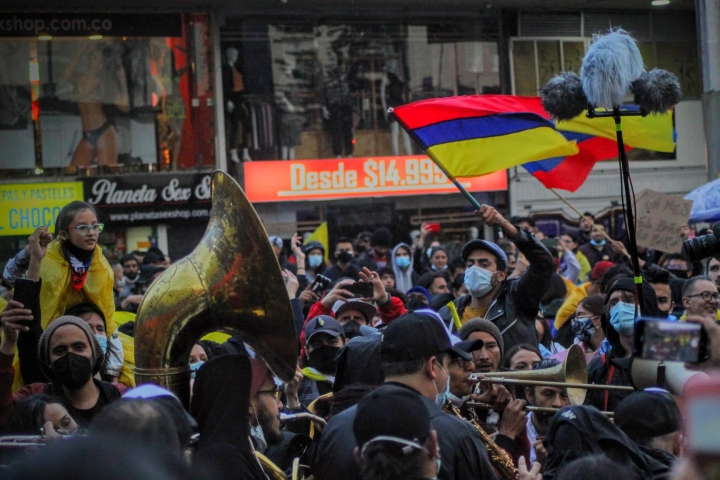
(312, 90)
(109, 93)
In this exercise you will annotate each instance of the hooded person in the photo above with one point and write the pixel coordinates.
(324, 337)
(580, 431)
(612, 367)
(402, 262)
(220, 404)
(69, 356)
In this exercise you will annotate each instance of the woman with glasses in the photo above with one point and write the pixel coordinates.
(73, 268)
(587, 328)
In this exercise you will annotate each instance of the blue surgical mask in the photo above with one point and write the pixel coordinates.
(315, 260)
(597, 244)
(583, 329)
(102, 340)
(441, 398)
(622, 318)
(478, 281)
(402, 262)
(194, 367)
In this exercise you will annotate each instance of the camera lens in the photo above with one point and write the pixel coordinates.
(701, 247)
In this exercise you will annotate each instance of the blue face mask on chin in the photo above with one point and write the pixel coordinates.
(622, 318)
(441, 398)
(596, 243)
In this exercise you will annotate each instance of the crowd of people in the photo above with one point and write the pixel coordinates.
(400, 348)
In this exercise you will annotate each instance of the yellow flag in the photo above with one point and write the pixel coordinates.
(321, 235)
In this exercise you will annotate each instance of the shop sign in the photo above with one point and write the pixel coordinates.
(27, 206)
(281, 181)
(150, 199)
(87, 24)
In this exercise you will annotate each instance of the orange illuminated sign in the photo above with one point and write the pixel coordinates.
(281, 181)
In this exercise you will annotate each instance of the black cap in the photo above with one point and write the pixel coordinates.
(416, 336)
(470, 346)
(648, 414)
(392, 412)
(323, 324)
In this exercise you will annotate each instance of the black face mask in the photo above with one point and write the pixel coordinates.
(416, 303)
(322, 359)
(352, 330)
(344, 256)
(72, 370)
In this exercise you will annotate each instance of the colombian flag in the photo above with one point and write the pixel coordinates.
(479, 134)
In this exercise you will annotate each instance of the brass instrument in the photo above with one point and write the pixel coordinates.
(232, 283)
(500, 459)
(571, 375)
(284, 417)
(22, 441)
(529, 408)
(270, 469)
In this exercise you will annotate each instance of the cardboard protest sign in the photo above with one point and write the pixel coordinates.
(660, 218)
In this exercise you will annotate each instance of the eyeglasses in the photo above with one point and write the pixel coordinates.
(706, 296)
(460, 362)
(274, 392)
(85, 230)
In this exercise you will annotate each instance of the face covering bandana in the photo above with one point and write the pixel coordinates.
(416, 303)
(352, 330)
(622, 318)
(344, 257)
(596, 243)
(102, 340)
(477, 281)
(315, 260)
(194, 367)
(402, 262)
(72, 370)
(322, 359)
(441, 398)
(583, 329)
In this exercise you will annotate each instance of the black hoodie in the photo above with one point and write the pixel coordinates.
(221, 399)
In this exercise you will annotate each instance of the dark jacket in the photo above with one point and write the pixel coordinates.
(517, 302)
(661, 462)
(598, 370)
(461, 448)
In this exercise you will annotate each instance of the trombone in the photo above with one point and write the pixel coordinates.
(529, 408)
(571, 375)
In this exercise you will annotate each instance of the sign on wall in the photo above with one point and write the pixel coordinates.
(282, 181)
(27, 206)
(150, 199)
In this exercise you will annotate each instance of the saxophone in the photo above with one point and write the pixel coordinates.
(501, 461)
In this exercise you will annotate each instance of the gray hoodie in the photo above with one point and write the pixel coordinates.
(403, 278)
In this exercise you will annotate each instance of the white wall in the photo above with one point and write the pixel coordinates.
(689, 171)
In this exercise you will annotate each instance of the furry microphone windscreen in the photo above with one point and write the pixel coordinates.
(611, 64)
(563, 97)
(656, 91)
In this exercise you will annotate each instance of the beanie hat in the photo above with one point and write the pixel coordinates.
(483, 325)
(381, 238)
(98, 358)
(600, 268)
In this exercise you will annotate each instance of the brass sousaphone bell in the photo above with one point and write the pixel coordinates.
(231, 283)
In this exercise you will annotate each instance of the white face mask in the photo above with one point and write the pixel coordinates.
(478, 281)
(257, 433)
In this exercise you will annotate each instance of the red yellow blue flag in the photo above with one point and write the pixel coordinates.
(479, 134)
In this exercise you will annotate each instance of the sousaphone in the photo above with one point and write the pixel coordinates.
(231, 283)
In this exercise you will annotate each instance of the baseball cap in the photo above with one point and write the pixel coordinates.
(484, 245)
(600, 268)
(368, 310)
(647, 414)
(470, 346)
(323, 324)
(380, 417)
(277, 241)
(415, 336)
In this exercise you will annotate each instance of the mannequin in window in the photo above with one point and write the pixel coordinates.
(102, 82)
(393, 94)
(236, 114)
(339, 112)
(291, 124)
